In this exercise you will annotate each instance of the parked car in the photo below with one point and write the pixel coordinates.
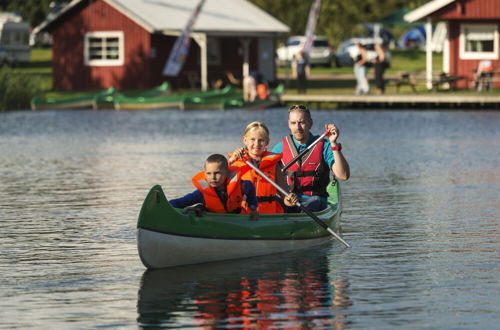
(344, 54)
(321, 52)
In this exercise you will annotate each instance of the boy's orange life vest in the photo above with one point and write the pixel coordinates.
(308, 176)
(234, 193)
(262, 91)
(266, 192)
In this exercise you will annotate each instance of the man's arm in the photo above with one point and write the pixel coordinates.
(340, 167)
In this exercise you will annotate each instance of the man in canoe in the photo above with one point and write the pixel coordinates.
(310, 175)
(220, 189)
(256, 139)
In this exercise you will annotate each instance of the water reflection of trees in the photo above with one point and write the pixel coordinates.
(291, 292)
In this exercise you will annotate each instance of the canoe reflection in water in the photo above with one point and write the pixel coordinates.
(294, 291)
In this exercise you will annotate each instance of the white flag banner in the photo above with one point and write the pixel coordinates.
(311, 26)
(180, 50)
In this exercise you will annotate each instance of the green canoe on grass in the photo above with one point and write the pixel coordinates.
(273, 99)
(108, 101)
(85, 101)
(169, 237)
(123, 102)
(231, 100)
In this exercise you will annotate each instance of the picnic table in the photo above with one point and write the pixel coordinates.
(444, 79)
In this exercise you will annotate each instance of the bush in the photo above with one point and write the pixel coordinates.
(16, 90)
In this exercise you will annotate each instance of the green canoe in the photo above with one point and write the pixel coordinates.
(170, 237)
(108, 101)
(123, 102)
(231, 100)
(273, 99)
(78, 102)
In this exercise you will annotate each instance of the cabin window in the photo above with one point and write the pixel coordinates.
(103, 48)
(479, 41)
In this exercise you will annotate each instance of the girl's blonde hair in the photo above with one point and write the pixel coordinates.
(257, 126)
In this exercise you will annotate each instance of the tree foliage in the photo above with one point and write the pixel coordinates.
(338, 19)
(32, 11)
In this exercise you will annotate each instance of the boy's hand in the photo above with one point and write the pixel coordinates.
(291, 199)
(254, 215)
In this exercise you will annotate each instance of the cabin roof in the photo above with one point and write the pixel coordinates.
(426, 10)
(216, 16)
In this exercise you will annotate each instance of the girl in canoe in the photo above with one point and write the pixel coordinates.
(256, 139)
(220, 189)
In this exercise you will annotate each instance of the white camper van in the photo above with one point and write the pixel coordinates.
(14, 39)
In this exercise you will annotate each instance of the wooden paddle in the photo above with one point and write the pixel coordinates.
(293, 161)
(302, 207)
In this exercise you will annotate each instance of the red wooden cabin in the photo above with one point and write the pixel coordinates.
(125, 43)
(472, 35)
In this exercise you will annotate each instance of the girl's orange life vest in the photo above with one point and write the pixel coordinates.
(266, 192)
(262, 91)
(234, 193)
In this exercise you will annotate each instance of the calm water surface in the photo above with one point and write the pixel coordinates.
(421, 212)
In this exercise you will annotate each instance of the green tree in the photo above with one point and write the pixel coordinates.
(338, 19)
(32, 11)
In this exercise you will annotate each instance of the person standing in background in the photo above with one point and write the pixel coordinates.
(300, 67)
(380, 64)
(360, 65)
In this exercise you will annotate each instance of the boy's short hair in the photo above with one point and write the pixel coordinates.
(220, 159)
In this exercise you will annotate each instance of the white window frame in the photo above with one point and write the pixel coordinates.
(104, 62)
(467, 55)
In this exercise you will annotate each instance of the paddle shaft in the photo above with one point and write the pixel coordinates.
(302, 207)
(299, 156)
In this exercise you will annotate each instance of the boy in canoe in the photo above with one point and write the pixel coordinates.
(220, 189)
(256, 140)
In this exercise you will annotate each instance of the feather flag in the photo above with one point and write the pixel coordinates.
(311, 26)
(180, 50)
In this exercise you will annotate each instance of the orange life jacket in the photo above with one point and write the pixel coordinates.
(262, 91)
(266, 192)
(234, 193)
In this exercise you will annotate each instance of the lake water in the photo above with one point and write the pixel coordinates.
(421, 212)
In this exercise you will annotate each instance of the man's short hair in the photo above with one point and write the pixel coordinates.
(220, 159)
(301, 108)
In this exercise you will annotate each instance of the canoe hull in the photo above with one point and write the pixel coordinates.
(161, 250)
(169, 237)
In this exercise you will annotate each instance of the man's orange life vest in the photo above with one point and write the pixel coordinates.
(310, 174)
(266, 192)
(213, 202)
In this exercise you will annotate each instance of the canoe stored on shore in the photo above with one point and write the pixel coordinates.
(170, 237)
(231, 100)
(123, 102)
(77, 102)
(102, 102)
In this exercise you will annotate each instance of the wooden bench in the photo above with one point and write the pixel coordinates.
(405, 79)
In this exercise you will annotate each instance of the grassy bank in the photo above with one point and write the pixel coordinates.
(19, 83)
